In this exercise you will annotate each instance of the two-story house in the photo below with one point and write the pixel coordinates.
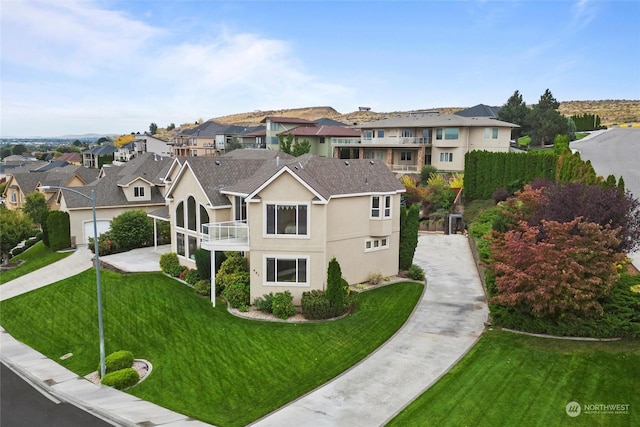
(407, 142)
(289, 216)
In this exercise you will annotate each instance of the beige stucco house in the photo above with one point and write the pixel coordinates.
(407, 142)
(289, 216)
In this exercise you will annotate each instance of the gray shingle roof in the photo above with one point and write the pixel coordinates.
(480, 110)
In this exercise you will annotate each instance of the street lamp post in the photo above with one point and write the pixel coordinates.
(97, 265)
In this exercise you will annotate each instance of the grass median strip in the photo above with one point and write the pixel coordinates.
(511, 379)
(207, 363)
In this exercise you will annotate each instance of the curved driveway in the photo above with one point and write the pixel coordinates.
(444, 326)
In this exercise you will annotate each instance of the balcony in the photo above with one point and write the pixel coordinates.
(225, 236)
(404, 168)
(398, 140)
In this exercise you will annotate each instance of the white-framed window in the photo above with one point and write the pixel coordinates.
(405, 155)
(376, 244)
(14, 199)
(407, 133)
(274, 140)
(284, 219)
(138, 191)
(195, 153)
(490, 133)
(273, 126)
(286, 270)
(367, 135)
(380, 133)
(446, 157)
(180, 244)
(447, 133)
(380, 207)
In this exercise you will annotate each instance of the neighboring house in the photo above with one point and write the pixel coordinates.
(146, 143)
(323, 137)
(407, 142)
(97, 156)
(289, 216)
(135, 185)
(275, 126)
(21, 184)
(125, 152)
(196, 141)
(72, 158)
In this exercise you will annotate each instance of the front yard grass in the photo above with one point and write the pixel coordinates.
(519, 380)
(35, 257)
(207, 363)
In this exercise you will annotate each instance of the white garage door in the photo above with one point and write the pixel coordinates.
(103, 226)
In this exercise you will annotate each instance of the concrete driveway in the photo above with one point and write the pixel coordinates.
(446, 323)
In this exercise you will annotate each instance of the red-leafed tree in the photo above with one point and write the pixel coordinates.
(555, 270)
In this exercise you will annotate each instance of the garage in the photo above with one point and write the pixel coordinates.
(103, 226)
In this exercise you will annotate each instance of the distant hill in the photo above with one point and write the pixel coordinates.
(611, 112)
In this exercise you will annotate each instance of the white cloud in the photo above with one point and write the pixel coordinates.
(70, 37)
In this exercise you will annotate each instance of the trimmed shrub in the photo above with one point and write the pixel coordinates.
(203, 287)
(106, 244)
(122, 379)
(316, 305)
(17, 251)
(237, 294)
(191, 276)
(416, 273)
(118, 360)
(336, 290)
(132, 229)
(38, 235)
(283, 307)
(170, 264)
(375, 278)
(232, 270)
(59, 229)
(264, 303)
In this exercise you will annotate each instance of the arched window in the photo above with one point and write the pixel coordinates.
(180, 215)
(204, 216)
(191, 213)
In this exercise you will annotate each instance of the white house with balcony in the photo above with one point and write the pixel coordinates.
(407, 142)
(289, 216)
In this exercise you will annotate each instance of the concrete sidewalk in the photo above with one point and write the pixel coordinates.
(446, 323)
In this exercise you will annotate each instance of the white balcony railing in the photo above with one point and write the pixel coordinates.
(393, 140)
(229, 234)
(404, 168)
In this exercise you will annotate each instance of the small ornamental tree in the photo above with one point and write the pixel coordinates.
(556, 270)
(300, 147)
(35, 207)
(132, 229)
(232, 270)
(14, 228)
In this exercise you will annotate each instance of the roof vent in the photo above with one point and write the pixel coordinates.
(217, 162)
(346, 162)
(371, 162)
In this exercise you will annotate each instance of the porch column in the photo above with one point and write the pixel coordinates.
(155, 234)
(213, 278)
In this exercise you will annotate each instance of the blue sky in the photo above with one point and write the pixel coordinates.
(106, 66)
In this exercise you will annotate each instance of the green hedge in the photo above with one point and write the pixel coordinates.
(485, 171)
(59, 230)
(283, 307)
(122, 379)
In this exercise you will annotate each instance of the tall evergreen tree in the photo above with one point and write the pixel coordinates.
(515, 111)
(545, 121)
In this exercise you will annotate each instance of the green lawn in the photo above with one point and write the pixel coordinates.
(35, 257)
(207, 363)
(516, 380)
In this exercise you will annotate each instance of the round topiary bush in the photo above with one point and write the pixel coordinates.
(118, 360)
(283, 307)
(169, 262)
(203, 287)
(122, 379)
